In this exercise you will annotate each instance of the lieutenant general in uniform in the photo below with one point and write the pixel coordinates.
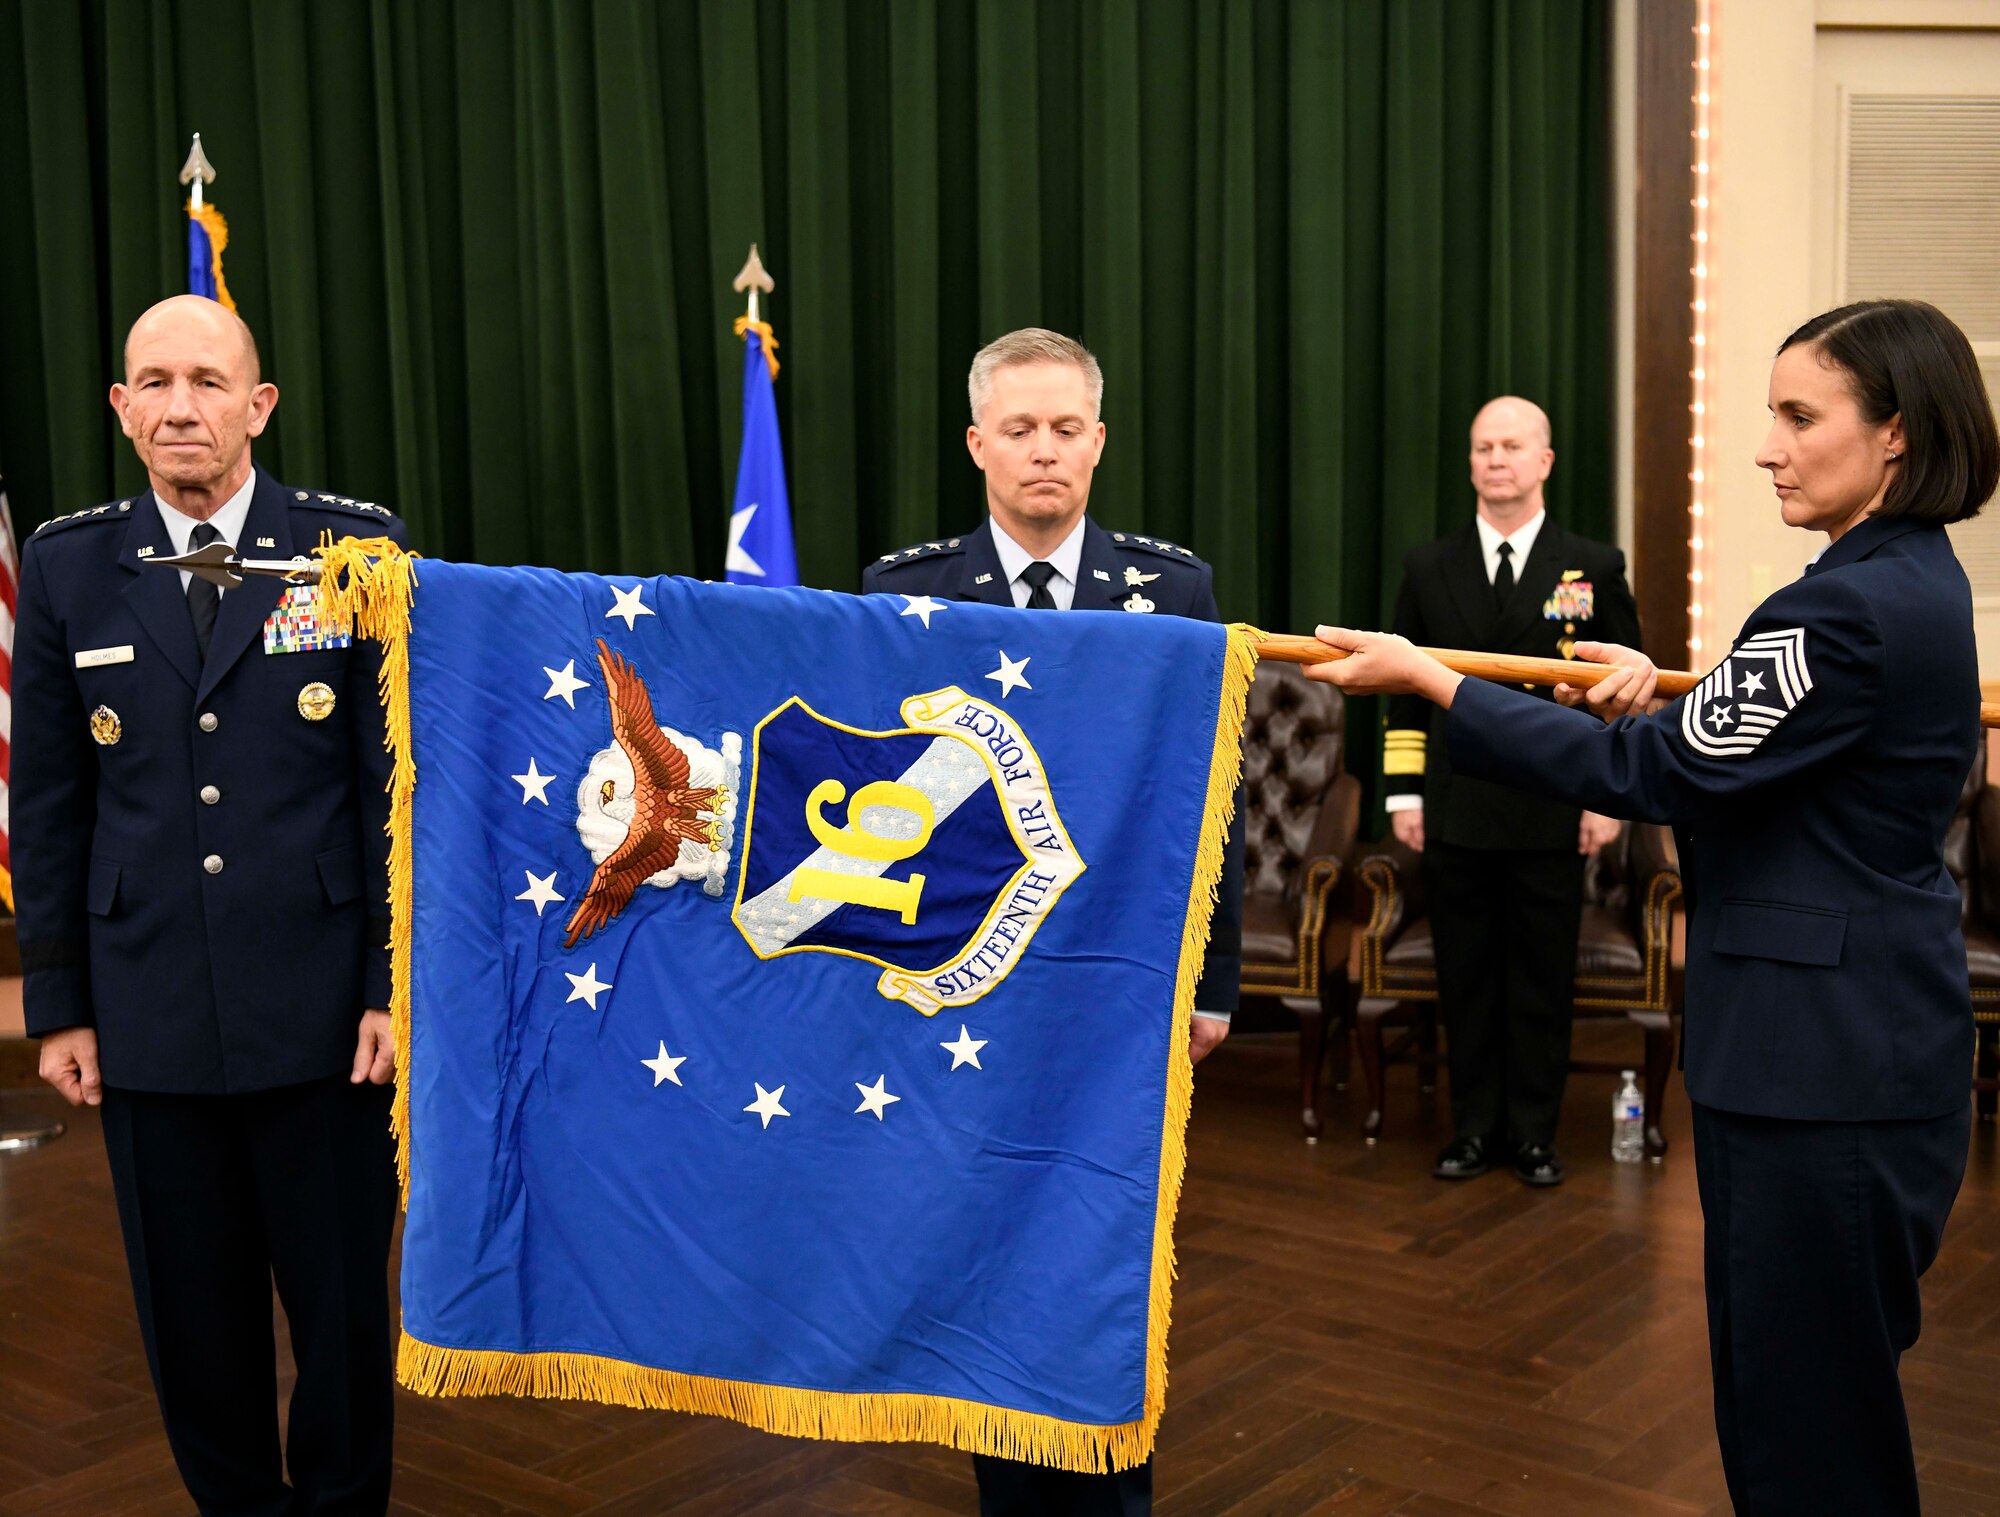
(1037, 436)
(1810, 779)
(197, 822)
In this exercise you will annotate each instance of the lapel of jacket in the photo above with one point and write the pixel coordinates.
(1464, 563)
(1099, 556)
(241, 616)
(982, 558)
(1537, 579)
(154, 592)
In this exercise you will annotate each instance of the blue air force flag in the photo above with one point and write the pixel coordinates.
(760, 523)
(794, 1038)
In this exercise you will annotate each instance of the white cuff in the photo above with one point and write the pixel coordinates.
(1214, 1016)
(1409, 801)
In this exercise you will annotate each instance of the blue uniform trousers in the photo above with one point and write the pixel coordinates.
(1817, 1233)
(1009, 1488)
(219, 1195)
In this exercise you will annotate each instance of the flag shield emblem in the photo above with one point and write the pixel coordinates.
(1740, 702)
(934, 850)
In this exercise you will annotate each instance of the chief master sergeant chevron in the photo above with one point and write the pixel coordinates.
(201, 872)
(1037, 436)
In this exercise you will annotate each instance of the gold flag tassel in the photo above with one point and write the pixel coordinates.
(365, 586)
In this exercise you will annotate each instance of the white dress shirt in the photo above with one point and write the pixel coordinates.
(228, 521)
(1066, 560)
(1521, 539)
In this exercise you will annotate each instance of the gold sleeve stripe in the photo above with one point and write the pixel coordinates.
(1402, 763)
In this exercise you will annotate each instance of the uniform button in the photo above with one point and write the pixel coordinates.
(209, 722)
(213, 863)
(210, 795)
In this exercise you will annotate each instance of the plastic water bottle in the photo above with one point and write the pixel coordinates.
(1628, 1122)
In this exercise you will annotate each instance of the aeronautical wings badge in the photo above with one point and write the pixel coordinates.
(1741, 700)
(933, 850)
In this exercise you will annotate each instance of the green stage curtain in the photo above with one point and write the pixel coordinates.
(486, 246)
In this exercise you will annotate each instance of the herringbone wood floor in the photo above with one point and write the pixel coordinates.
(1350, 1337)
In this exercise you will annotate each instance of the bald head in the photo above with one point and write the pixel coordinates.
(192, 400)
(1511, 457)
(179, 318)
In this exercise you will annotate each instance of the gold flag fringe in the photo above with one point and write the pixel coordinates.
(365, 585)
(211, 222)
(743, 326)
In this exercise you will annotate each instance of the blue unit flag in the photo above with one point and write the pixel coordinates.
(793, 1038)
(760, 522)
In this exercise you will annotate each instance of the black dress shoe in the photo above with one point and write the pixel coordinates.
(1537, 1164)
(1462, 1159)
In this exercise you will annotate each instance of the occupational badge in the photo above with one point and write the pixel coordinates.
(105, 727)
(655, 808)
(316, 702)
(1741, 700)
(933, 850)
(296, 626)
(1136, 602)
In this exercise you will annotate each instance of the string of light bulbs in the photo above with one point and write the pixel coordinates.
(1699, 495)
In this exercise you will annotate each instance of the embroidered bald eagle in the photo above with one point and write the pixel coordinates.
(667, 808)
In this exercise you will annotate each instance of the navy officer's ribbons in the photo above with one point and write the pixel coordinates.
(794, 991)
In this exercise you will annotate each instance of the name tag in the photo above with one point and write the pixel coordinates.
(96, 658)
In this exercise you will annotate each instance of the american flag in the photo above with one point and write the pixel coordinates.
(10, 579)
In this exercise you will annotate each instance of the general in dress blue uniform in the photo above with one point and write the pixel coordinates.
(1037, 437)
(198, 804)
(1809, 779)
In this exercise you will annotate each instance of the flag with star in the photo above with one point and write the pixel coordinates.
(760, 522)
(797, 1039)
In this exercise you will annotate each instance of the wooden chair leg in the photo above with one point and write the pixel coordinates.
(1989, 1069)
(1312, 1050)
(1368, 1015)
(1659, 1071)
(1336, 999)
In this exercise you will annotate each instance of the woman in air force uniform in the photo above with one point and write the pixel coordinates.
(1809, 779)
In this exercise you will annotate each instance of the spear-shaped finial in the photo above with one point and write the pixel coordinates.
(753, 277)
(197, 171)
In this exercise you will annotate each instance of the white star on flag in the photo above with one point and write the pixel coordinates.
(665, 1066)
(1009, 674)
(585, 986)
(874, 1098)
(966, 1049)
(565, 684)
(766, 1105)
(737, 561)
(923, 606)
(541, 892)
(534, 786)
(629, 606)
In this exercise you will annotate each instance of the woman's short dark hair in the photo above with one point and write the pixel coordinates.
(1908, 357)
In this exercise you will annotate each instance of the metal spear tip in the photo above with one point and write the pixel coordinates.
(218, 564)
(752, 276)
(197, 165)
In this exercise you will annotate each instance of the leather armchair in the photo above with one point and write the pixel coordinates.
(1300, 812)
(1624, 955)
(1972, 854)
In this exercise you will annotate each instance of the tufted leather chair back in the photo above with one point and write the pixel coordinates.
(1293, 732)
(1976, 876)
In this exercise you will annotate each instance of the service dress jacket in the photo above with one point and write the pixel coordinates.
(200, 864)
(1809, 780)
(1569, 589)
(1117, 571)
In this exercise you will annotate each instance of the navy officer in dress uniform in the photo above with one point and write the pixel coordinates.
(198, 808)
(1810, 779)
(1037, 436)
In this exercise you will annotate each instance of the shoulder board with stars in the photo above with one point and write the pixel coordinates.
(319, 500)
(109, 511)
(931, 548)
(1157, 545)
